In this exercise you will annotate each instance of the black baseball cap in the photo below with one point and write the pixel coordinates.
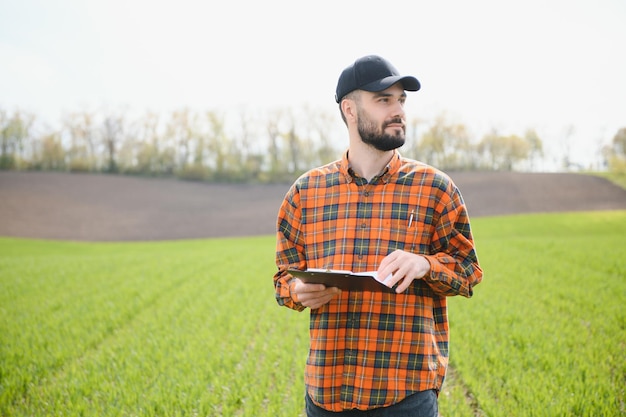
(372, 73)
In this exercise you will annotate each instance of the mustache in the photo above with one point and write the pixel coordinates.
(396, 120)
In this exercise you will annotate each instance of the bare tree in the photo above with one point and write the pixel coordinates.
(154, 154)
(566, 145)
(535, 147)
(218, 145)
(15, 130)
(503, 152)
(82, 147)
(412, 147)
(52, 156)
(243, 148)
(619, 142)
(112, 137)
(321, 125)
(248, 154)
(179, 131)
(447, 145)
(293, 142)
(617, 152)
(273, 131)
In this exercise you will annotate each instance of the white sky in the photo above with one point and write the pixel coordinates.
(551, 65)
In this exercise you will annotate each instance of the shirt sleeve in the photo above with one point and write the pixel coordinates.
(454, 264)
(289, 249)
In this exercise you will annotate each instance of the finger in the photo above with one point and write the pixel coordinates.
(302, 287)
(402, 276)
(389, 259)
(404, 285)
(393, 279)
(317, 299)
(390, 264)
(318, 303)
(394, 273)
(385, 272)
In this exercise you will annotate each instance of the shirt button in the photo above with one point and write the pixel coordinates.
(366, 193)
(363, 225)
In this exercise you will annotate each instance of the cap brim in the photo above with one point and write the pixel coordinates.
(409, 83)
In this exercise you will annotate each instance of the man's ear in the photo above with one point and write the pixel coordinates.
(348, 107)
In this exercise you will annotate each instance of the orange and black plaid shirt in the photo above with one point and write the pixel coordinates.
(373, 349)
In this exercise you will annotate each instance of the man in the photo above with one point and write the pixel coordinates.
(373, 210)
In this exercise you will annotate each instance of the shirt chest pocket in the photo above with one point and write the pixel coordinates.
(408, 234)
(401, 235)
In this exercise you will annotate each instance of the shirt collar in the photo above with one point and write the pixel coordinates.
(385, 176)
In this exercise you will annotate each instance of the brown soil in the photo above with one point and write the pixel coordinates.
(91, 207)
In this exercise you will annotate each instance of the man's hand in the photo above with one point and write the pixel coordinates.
(405, 267)
(313, 295)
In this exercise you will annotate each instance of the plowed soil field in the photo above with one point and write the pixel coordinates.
(93, 207)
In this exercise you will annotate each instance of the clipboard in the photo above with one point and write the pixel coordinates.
(344, 280)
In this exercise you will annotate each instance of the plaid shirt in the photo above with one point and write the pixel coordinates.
(373, 349)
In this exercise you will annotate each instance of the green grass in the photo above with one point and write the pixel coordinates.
(180, 328)
(545, 334)
(189, 328)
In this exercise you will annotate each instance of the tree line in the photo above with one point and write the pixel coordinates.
(248, 146)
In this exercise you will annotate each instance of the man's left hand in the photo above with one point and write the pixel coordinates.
(404, 267)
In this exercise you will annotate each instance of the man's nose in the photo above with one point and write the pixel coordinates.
(398, 109)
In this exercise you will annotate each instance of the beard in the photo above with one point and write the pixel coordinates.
(376, 137)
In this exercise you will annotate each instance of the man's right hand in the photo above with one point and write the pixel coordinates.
(313, 295)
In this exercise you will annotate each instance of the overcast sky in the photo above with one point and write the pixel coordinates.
(555, 66)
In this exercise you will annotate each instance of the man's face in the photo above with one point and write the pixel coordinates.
(381, 118)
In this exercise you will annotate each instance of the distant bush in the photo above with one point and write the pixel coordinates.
(617, 164)
(193, 173)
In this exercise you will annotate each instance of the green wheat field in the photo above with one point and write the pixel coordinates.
(191, 328)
